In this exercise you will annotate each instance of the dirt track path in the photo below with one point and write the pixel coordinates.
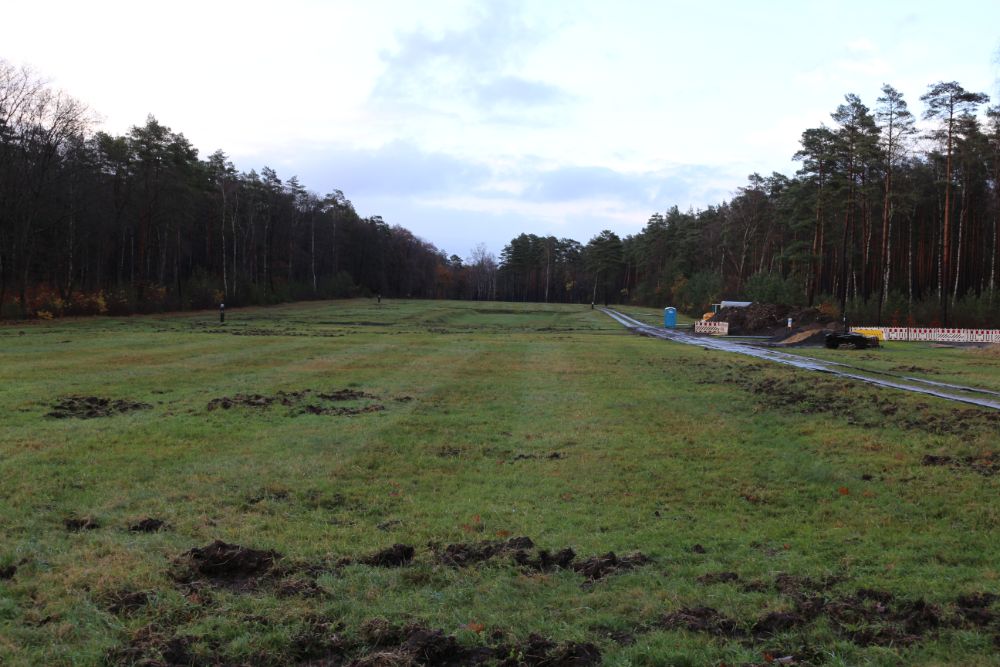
(950, 392)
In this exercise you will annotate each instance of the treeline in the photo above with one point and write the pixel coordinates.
(891, 224)
(888, 223)
(94, 223)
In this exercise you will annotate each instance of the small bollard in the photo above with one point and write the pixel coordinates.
(222, 313)
(789, 323)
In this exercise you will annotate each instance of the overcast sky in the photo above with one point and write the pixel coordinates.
(472, 122)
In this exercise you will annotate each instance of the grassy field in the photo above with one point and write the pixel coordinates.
(759, 514)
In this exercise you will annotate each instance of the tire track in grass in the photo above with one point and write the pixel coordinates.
(957, 393)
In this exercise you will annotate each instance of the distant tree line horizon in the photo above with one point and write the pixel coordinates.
(892, 225)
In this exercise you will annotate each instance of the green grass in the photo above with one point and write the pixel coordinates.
(662, 447)
(972, 366)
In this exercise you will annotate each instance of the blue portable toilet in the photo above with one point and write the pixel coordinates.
(669, 317)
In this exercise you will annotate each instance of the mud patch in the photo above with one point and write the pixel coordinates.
(150, 646)
(299, 586)
(518, 550)
(148, 525)
(470, 553)
(599, 567)
(389, 645)
(228, 565)
(551, 456)
(718, 578)
(862, 406)
(397, 555)
(92, 407)
(126, 602)
(701, 619)
(973, 609)
(75, 525)
(986, 465)
(305, 401)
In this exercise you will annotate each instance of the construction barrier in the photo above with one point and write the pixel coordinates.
(936, 335)
(713, 328)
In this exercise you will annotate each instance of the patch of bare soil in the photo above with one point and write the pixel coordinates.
(470, 553)
(551, 456)
(701, 619)
(126, 602)
(718, 578)
(387, 644)
(228, 565)
(599, 567)
(518, 550)
(148, 525)
(986, 465)
(74, 524)
(305, 401)
(868, 617)
(152, 646)
(92, 407)
(858, 405)
(397, 555)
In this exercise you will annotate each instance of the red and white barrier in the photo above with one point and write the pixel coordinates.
(713, 328)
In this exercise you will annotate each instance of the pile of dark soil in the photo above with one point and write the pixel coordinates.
(148, 525)
(986, 465)
(860, 406)
(305, 401)
(868, 617)
(419, 645)
(718, 578)
(91, 407)
(74, 524)
(126, 602)
(598, 567)
(228, 565)
(768, 319)
(470, 553)
(397, 555)
(518, 549)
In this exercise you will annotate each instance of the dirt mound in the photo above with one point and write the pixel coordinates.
(150, 646)
(397, 555)
(701, 619)
(598, 567)
(126, 602)
(304, 401)
(718, 578)
(92, 407)
(225, 564)
(546, 561)
(519, 548)
(148, 525)
(768, 319)
(419, 645)
(986, 465)
(84, 523)
(466, 554)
